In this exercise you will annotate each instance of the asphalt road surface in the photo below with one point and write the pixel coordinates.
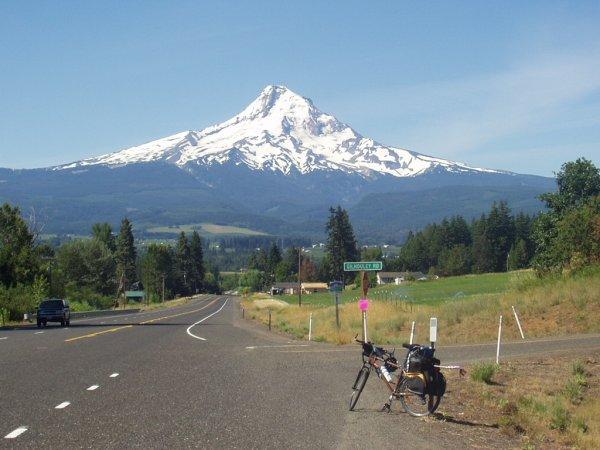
(199, 376)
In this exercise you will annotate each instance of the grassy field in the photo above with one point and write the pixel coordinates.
(422, 292)
(550, 306)
(206, 228)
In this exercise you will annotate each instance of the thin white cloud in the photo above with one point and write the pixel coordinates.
(456, 118)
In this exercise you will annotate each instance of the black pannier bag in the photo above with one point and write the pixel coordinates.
(436, 383)
(420, 360)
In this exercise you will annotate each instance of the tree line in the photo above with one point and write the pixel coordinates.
(565, 236)
(495, 242)
(266, 267)
(95, 272)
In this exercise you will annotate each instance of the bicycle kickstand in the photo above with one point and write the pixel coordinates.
(388, 406)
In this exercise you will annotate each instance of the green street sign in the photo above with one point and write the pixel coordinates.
(363, 265)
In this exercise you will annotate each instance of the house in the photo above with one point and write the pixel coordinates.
(290, 288)
(311, 288)
(399, 277)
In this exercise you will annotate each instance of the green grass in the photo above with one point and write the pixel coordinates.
(421, 292)
(206, 228)
(484, 372)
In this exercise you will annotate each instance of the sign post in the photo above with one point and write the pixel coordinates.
(336, 287)
(363, 267)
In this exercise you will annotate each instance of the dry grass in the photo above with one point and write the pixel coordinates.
(566, 305)
(530, 399)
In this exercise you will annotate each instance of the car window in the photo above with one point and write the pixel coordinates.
(52, 304)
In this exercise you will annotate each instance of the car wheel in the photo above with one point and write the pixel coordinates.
(62, 322)
(39, 324)
(68, 322)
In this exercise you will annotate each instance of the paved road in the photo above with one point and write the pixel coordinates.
(199, 376)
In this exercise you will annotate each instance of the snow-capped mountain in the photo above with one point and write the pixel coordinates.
(276, 167)
(281, 131)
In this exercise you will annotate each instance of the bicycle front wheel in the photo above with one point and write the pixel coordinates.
(416, 404)
(359, 385)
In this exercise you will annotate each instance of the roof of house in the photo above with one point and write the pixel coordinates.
(285, 285)
(315, 286)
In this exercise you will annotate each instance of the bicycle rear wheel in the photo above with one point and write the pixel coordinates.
(416, 404)
(359, 384)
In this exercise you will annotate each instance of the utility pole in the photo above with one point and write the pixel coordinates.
(163, 288)
(299, 282)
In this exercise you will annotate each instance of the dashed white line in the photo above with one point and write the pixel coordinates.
(63, 405)
(2, 338)
(202, 320)
(93, 387)
(16, 433)
(114, 375)
(38, 332)
(251, 347)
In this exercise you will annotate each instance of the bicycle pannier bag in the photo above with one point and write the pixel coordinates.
(415, 383)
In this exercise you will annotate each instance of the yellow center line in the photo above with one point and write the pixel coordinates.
(98, 333)
(140, 323)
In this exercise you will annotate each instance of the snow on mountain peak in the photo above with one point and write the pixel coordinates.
(280, 131)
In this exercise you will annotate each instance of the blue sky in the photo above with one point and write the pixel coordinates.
(508, 85)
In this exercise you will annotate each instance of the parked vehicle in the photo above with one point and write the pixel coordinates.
(54, 310)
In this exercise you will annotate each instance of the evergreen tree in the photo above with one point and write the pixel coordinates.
(259, 261)
(183, 262)
(483, 254)
(103, 233)
(273, 260)
(500, 231)
(341, 243)
(158, 271)
(519, 256)
(125, 255)
(18, 259)
(455, 260)
(197, 270)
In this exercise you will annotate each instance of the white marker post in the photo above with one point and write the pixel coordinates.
(518, 323)
(499, 336)
(309, 327)
(433, 324)
(412, 332)
(363, 304)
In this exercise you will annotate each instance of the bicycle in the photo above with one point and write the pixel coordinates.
(420, 385)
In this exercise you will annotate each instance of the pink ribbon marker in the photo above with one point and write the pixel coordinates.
(363, 304)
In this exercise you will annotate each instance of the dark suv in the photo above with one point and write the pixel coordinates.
(54, 310)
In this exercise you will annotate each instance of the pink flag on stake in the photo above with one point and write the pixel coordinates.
(363, 304)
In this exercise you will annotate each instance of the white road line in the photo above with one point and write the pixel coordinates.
(38, 332)
(16, 433)
(93, 387)
(202, 320)
(62, 405)
(114, 375)
(2, 338)
(251, 347)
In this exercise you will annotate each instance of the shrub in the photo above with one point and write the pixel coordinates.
(484, 372)
(559, 417)
(574, 391)
(578, 368)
